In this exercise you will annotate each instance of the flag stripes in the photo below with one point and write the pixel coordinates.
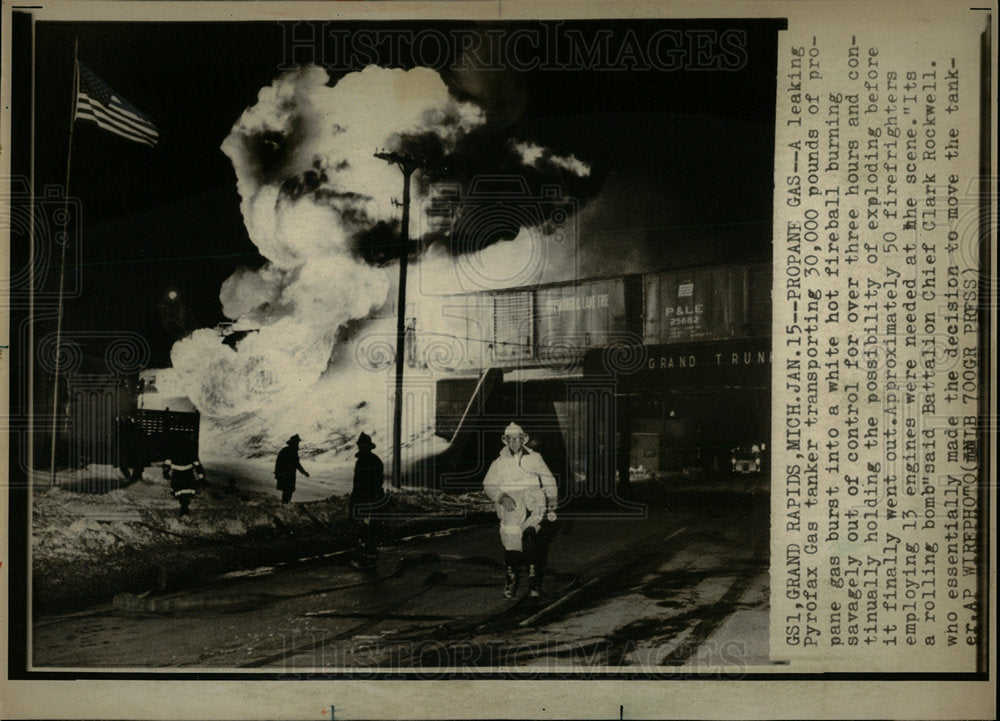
(97, 102)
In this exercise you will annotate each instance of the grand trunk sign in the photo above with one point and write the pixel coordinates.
(670, 359)
(745, 362)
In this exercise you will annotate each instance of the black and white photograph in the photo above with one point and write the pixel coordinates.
(396, 346)
(414, 345)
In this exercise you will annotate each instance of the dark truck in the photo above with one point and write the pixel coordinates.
(153, 436)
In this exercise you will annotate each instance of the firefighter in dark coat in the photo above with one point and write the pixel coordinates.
(185, 477)
(285, 467)
(366, 495)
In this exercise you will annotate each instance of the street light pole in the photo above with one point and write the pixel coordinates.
(407, 165)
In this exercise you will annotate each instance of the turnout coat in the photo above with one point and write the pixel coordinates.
(369, 476)
(285, 467)
(185, 478)
(528, 511)
(516, 472)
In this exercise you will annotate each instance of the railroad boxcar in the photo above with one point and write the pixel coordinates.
(667, 370)
(524, 327)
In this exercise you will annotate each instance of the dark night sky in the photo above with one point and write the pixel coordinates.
(168, 217)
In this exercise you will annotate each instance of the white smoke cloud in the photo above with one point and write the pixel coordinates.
(333, 131)
(535, 155)
(530, 258)
(309, 184)
(252, 293)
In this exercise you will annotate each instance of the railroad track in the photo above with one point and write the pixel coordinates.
(422, 638)
(153, 603)
(424, 647)
(429, 582)
(600, 582)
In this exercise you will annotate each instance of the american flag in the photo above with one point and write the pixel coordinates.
(96, 101)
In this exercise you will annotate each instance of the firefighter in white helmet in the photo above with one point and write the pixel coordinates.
(524, 491)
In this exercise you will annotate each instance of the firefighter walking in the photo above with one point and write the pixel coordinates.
(524, 491)
(367, 495)
(285, 467)
(186, 478)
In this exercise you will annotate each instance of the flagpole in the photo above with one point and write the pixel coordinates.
(62, 266)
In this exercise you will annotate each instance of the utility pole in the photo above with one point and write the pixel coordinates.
(407, 165)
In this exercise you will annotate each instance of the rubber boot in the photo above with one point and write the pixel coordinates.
(534, 582)
(512, 582)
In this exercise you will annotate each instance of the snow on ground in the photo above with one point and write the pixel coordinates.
(257, 475)
(93, 537)
(330, 474)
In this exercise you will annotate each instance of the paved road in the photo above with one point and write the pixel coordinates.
(684, 587)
